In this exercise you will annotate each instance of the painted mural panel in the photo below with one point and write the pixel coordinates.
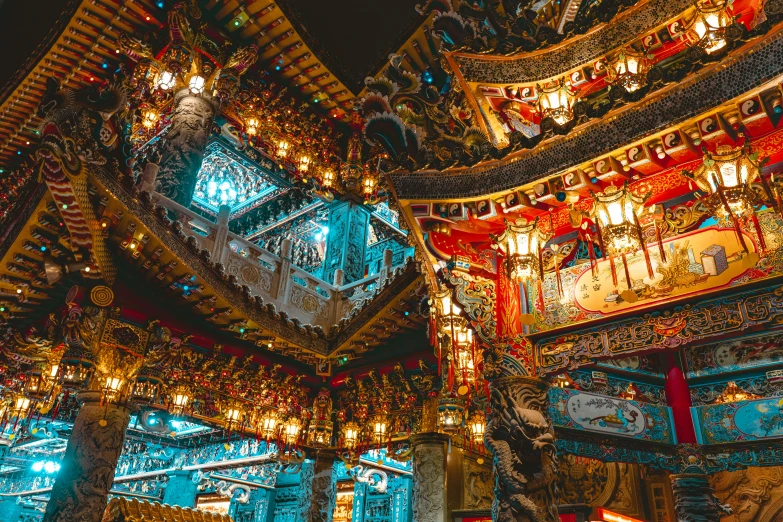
(701, 260)
(735, 355)
(740, 421)
(610, 416)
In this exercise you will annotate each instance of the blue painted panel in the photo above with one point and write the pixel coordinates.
(739, 421)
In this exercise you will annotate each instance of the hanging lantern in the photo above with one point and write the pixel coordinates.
(20, 406)
(616, 212)
(327, 178)
(291, 428)
(167, 81)
(303, 163)
(180, 396)
(477, 424)
(268, 424)
(350, 435)
(451, 411)
(178, 59)
(149, 116)
(521, 243)
(252, 123)
(233, 413)
(556, 101)
(368, 185)
(282, 149)
(112, 388)
(629, 70)
(76, 373)
(145, 75)
(145, 389)
(707, 29)
(726, 176)
(319, 432)
(196, 84)
(378, 427)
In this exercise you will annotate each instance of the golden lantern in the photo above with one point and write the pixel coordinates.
(303, 163)
(167, 81)
(327, 178)
(145, 389)
(149, 116)
(616, 212)
(521, 243)
(350, 435)
(454, 337)
(196, 84)
(179, 398)
(707, 29)
(145, 75)
(477, 425)
(629, 70)
(76, 373)
(290, 431)
(282, 149)
(378, 427)
(112, 388)
(20, 406)
(233, 413)
(726, 176)
(252, 124)
(451, 411)
(556, 101)
(268, 424)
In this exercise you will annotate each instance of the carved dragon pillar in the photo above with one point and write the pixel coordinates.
(323, 488)
(80, 493)
(519, 434)
(429, 477)
(694, 498)
(346, 241)
(183, 148)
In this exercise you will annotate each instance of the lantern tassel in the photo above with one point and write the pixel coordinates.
(591, 255)
(661, 251)
(759, 232)
(601, 242)
(627, 274)
(734, 220)
(614, 270)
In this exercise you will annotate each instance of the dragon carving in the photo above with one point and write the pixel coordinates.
(521, 441)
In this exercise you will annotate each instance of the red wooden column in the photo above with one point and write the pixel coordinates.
(678, 397)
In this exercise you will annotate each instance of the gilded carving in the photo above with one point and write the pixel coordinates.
(754, 494)
(476, 485)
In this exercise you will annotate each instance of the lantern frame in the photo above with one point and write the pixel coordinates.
(707, 29)
(629, 70)
(522, 243)
(556, 101)
(617, 212)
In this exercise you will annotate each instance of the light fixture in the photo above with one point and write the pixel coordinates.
(378, 426)
(149, 116)
(112, 388)
(726, 176)
(555, 100)
(477, 424)
(521, 243)
(563, 381)
(454, 337)
(268, 424)
(233, 413)
(707, 29)
(20, 405)
(282, 149)
(145, 75)
(616, 212)
(629, 70)
(304, 163)
(291, 428)
(327, 178)
(252, 124)
(451, 411)
(167, 81)
(145, 389)
(196, 84)
(350, 435)
(179, 398)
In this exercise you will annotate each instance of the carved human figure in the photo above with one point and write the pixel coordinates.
(80, 493)
(521, 440)
(183, 146)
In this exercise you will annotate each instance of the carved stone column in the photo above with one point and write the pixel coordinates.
(521, 439)
(694, 499)
(80, 493)
(180, 490)
(429, 477)
(323, 488)
(183, 146)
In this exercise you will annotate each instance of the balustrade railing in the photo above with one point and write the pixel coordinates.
(274, 278)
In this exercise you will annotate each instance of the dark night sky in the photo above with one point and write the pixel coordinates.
(23, 24)
(358, 34)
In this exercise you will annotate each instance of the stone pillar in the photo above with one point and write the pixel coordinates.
(285, 271)
(220, 248)
(339, 277)
(180, 489)
(323, 488)
(183, 146)
(429, 477)
(149, 177)
(346, 241)
(694, 499)
(80, 492)
(522, 441)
